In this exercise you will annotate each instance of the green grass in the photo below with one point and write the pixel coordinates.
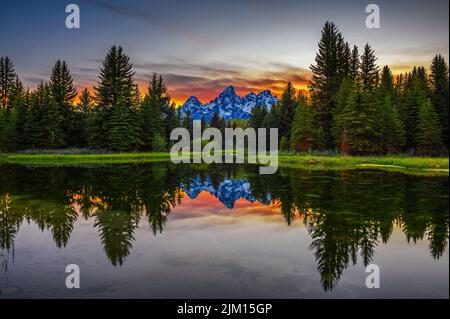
(415, 165)
(405, 164)
(110, 158)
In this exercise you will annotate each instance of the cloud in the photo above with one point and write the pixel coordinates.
(160, 21)
(207, 81)
(188, 68)
(35, 80)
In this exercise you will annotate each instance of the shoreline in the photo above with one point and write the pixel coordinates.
(405, 164)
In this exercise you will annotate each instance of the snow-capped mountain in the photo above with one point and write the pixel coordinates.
(228, 105)
(228, 192)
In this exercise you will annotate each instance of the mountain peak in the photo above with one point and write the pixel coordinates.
(228, 105)
(229, 90)
(265, 93)
(192, 99)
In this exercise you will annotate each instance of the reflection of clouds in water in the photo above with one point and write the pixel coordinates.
(212, 212)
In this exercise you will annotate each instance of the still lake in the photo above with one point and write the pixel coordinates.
(164, 231)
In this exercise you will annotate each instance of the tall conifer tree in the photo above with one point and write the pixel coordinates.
(64, 92)
(286, 108)
(440, 93)
(325, 80)
(7, 79)
(116, 87)
(369, 70)
(303, 130)
(428, 134)
(151, 113)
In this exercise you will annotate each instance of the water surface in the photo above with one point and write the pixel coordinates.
(162, 231)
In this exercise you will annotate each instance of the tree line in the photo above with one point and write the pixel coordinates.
(353, 107)
(116, 117)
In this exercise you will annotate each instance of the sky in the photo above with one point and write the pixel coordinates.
(201, 47)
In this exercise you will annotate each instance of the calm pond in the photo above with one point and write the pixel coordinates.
(165, 231)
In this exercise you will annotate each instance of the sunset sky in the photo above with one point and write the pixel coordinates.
(200, 47)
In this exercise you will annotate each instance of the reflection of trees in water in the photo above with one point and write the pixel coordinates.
(116, 197)
(116, 230)
(9, 226)
(347, 214)
(119, 197)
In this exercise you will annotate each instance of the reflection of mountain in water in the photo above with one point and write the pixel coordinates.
(228, 192)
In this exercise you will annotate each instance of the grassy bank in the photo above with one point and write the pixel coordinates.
(113, 158)
(416, 165)
(390, 163)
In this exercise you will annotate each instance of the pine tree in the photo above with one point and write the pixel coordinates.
(51, 122)
(369, 69)
(259, 112)
(14, 117)
(116, 80)
(61, 85)
(14, 125)
(428, 135)
(119, 128)
(346, 95)
(352, 140)
(17, 91)
(344, 58)
(215, 121)
(42, 127)
(85, 104)
(83, 113)
(325, 80)
(369, 112)
(7, 80)
(387, 82)
(64, 92)
(440, 93)
(399, 85)
(2, 128)
(392, 135)
(171, 121)
(167, 108)
(414, 95)
(31, 129)
(356, 122)
(355, 64)
(390, 129)
(151, 114)
(116, 87)
(272, 118)
(303, 131)
(286, 108)
(203, 124)
(187, 122)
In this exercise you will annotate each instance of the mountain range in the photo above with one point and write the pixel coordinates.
(228, 105)
(228, 192)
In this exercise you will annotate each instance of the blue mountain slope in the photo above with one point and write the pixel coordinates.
(228, 105)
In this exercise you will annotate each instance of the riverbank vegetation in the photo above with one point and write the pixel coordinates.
(400, 163)
(355, 107)
(352, 107)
